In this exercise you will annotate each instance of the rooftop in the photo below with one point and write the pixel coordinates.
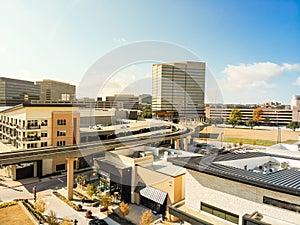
(285, 179)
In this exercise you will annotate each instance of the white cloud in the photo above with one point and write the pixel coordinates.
(256, 75)
(297, 82)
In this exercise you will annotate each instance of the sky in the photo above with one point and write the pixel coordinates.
(251, 47)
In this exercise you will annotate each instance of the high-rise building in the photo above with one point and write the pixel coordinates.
(14, 91)
(51, 90)
(178, 89)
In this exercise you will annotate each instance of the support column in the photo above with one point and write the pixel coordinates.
(35, 169)
(176, 143)
(70, 177)
(14, 172)
(185, 144)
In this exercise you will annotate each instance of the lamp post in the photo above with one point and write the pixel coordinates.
(34, 193)
(75, 222)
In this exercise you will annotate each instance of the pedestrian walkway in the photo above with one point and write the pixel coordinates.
(64, 211)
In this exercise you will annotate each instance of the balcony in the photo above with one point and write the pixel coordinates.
(33, 127)
(35, 138)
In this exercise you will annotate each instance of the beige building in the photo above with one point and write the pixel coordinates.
(247, 189)
(36, 126)
(51, 90)
(142, 175)
(178, 89)
(270, 116)
(295, 106)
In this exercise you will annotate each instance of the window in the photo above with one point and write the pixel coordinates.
(61, 133)
(44, 123)
(60, 143)
(281, 204)
(60, 167)
(44, 144)
(61, 122)
(220, 213)
(44, 134)
(32, 145)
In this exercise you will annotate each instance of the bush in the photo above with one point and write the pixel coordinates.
(40, 206)
(32, 210)
(63, 198)
(88, 214)
(7, 204)
(79, 207)
(124, 209)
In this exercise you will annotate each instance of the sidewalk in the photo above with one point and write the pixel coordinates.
(64, 211)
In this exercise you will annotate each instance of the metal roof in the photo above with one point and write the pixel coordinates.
(151, 193)
(286, 180)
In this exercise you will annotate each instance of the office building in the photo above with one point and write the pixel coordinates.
(34, 126)
(250, 188)
(270, 116)
(51, 90)
(14, 91)
(178, 89)
(119, 101)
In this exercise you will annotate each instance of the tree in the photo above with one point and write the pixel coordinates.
(147, 218)
(251, 123)
(267, 120)
(235, 117)
(40, 206)
(257, 114)
(124, 209)
(105, 201)
(147, 112)
(81, 179)
(91, 190)
(293, 125)
(52, 219)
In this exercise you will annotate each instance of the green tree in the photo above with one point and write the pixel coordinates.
(293, 125)
(251, 123)
(81, 179)
(147, 112)
(106, 201)
(267, 120)
(235, 117)
(91, 190)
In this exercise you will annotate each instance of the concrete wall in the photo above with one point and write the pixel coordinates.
(235, 197)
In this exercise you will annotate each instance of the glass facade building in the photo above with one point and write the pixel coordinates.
(14, 92)
(178, 88)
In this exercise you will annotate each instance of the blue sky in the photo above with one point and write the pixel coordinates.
(251, 47)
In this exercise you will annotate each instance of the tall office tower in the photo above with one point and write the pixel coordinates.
(178, 89)
(14, 91)
(52, 90)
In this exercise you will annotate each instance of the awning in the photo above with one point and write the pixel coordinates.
(153, 194)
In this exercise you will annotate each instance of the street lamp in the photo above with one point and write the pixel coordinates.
(75, 222)
(34, 193)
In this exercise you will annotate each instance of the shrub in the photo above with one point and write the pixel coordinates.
(40, 206)
(88, 214)
(79, 207)
(147, 218)
(124, 209)
(7, 204)
(63, 198)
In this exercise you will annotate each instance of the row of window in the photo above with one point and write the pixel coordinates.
(45, 144)
(220, 213)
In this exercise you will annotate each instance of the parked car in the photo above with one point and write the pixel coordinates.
(97, 222)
